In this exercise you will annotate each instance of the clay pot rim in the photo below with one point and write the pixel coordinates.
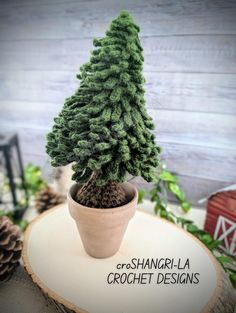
(105, 210)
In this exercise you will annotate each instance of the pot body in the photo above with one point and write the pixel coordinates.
(102, 230)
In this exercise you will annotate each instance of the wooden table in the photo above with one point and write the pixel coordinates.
(54, 257)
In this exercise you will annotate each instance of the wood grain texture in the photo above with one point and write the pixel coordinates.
(215, 54)
(190, 71)
(178, 91)
(187, 159)
(200, 188)
(63, 20)
(202, 129)
(222, 300)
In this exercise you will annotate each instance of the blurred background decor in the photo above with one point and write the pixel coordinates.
(47, 198)
(12, 176)
(10, 248)
(221, 218)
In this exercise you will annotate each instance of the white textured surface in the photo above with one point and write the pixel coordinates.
(57, 258)
(196, 214)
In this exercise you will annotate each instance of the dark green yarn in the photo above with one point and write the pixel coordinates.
(104, 126)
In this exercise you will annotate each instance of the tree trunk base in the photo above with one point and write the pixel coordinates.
(110, 195)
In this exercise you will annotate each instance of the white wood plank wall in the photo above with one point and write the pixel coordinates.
(190, 70)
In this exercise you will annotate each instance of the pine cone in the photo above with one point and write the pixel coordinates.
(10, 248)
(46, 199)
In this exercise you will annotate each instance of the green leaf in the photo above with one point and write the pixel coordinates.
(8, 214)
(175, 189)
(23, 224)
(225, 259)
(141, 194)
(158, 188)
(33, 178)
(159, 207)
(206, 238)
(171, 219)
(192, 228)
(167, 176)
(163, 213)
(185, 206)
(154, 195)
(214, 244)
(232, 278)
(183, 221)
(156, 208)
(2, 213)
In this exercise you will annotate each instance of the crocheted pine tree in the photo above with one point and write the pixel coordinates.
(104, 128)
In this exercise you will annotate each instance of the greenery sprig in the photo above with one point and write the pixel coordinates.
(167, 183)
(213, 245)
(21, 223)
(33, 179)
(34, 183)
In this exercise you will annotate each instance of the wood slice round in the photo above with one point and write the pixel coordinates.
(54, 257)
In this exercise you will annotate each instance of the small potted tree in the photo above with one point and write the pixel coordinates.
(105, 131)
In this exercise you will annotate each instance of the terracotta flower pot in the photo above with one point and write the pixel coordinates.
(102, 230)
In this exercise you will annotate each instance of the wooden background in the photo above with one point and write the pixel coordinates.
(190, 69)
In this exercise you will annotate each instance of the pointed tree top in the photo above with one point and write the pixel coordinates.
(104, 128)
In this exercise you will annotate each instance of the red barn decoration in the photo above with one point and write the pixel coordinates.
(221, 219)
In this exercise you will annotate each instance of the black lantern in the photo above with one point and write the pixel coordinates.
(11, 156)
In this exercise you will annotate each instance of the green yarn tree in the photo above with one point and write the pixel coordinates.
(104, 128)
